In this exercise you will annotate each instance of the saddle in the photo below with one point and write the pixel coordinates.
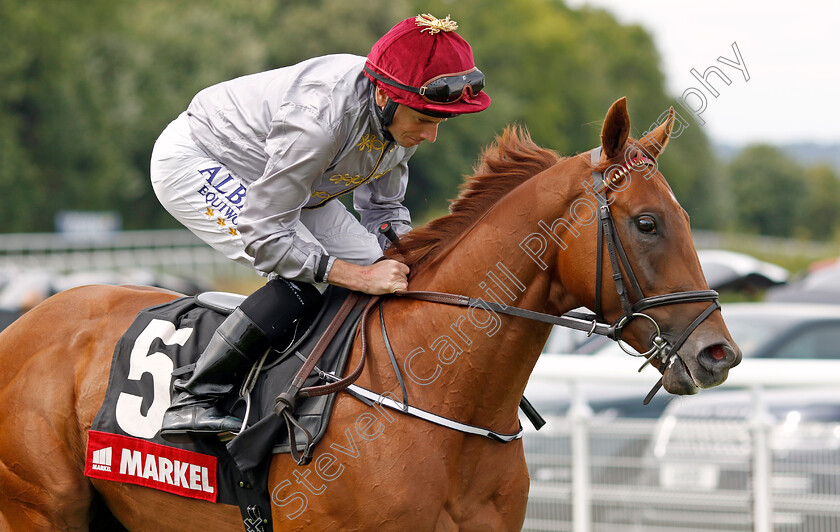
(165, 341)
(285, 401)
(312, 362)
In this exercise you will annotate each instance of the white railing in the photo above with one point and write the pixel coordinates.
(597, 472)
(177, 252)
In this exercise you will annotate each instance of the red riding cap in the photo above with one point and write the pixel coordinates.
(422, 63)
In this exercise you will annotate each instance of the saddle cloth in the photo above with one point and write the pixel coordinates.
(124, 444)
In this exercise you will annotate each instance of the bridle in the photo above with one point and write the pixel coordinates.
(596, 323)
(607, 235)
(591, 323)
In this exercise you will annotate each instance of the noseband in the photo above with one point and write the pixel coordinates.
(593, 324)
(607, 234)
(596, 324)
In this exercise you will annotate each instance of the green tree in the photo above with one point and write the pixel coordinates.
(46, 117)
(820, 214)
(557, 70)
(88, 87)
(768, 191)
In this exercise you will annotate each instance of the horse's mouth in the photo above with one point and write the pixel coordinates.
(677, 379)
(708, 368)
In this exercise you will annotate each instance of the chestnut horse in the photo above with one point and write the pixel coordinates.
(522, 233)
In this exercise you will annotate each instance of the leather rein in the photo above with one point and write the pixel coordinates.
(587, 322)
(595, 323)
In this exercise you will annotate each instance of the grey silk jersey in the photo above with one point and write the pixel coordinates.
(298, 137)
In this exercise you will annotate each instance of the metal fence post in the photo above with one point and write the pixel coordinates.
(579, 414)
(762, 466)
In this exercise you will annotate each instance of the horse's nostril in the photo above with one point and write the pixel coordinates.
(715, 358)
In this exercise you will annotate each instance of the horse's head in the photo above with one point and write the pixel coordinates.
(606, 232)
(645, 275)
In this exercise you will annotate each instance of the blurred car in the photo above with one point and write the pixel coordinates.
(819, 286)
(130, 277)
(775, 330)
(610, 416)
(604, 399)
(20, 290)
(724, 270)
(566, 340)
(703, 450)
(761, 330)
(732, 271)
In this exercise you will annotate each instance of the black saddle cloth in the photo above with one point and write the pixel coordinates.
(265, 432)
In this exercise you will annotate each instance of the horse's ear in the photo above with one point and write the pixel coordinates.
(616, 129)
(654, 142)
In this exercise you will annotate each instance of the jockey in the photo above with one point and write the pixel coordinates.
(254, 166)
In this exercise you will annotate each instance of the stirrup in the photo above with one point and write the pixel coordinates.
(195, 421)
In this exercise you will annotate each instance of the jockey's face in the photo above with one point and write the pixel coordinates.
(409, 127)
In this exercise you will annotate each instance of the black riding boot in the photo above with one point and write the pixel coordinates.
(260, 321)
(195, 414)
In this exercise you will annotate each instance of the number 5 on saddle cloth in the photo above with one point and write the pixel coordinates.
(162, 344)
(287, 401)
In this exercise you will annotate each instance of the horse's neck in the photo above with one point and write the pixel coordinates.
(482, 359)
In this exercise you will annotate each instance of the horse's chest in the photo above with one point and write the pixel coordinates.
(492, 494)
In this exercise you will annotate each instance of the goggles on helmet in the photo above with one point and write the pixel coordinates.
(443, 89)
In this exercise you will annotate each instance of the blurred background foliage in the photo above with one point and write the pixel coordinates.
(87, 87)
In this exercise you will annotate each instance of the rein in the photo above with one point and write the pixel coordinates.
(589, 323)
(595, 323)
(284, 404)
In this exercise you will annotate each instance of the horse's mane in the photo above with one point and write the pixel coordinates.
(510, 160)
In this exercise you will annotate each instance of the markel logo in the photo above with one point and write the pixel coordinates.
(102, 459)
(144, 463)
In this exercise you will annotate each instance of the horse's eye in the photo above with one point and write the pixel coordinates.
(646, 225)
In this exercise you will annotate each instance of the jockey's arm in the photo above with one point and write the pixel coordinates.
(383, 277)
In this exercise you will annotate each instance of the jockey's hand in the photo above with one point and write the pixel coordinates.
(383, 277)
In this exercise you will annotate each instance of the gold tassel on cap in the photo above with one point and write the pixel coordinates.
(434, 25)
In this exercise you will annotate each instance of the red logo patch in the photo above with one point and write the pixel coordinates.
(136, 461)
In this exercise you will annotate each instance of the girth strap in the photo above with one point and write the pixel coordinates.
(291, 424)
(321, 346)
(325, 389)
(366, 396)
